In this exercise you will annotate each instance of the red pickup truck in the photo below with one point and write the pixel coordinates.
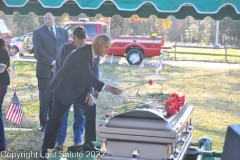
(134, 47)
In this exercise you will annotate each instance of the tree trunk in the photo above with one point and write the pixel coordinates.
(25, 28)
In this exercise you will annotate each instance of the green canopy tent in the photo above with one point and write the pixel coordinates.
(180, 9)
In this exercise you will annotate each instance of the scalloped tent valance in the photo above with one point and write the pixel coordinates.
(199, 9)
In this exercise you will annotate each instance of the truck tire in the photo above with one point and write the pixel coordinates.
(132, 54)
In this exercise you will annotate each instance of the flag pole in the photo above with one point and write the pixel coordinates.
(11, 123)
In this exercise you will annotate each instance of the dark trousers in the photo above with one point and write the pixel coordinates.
(2, 135)
(55, 121)
(45, 98)
(3, 91)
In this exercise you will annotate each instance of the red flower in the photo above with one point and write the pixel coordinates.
(167, 103)
(107, 115)
(182, 100)
(173, 94)
(174, 104)
(171, 110)
(150, 82)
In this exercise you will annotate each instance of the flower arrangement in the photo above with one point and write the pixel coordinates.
(173, 104)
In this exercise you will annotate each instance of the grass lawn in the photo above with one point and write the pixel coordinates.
(214, 93)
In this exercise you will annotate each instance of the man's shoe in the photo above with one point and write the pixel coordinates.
(58, 147)
(43, 154)
(90, 147)
(77, 144)
(42, 128)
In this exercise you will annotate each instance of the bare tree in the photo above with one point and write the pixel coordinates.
(24, 24)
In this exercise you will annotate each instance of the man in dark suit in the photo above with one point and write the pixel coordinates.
(71, 83)
(79, 40)
(47, 39)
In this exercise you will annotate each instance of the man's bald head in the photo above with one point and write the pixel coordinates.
(49, 19)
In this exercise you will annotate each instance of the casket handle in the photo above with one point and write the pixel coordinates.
(135, 153)
(170, 152)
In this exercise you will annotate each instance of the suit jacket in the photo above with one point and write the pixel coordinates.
(65, 50)
(75, 76)
(5, 59)
(46, 48)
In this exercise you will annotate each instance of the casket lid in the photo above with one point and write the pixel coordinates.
(150, 119)
(143, 113)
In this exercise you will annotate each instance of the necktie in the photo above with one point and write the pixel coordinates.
(53, 34)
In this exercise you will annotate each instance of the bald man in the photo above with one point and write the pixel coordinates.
(47, 40)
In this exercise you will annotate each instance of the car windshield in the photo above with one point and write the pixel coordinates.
(3, 26)
(91, 29)
(105, 29)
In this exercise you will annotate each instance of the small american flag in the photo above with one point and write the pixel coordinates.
(111, 59)
(159, 65)
(14, 112)
(141, 67)
(12, 71)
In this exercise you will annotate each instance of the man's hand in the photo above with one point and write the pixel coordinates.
(89, 99)
(96, 94)
(113, 90)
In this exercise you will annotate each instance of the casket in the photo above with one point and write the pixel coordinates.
(146, 134)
